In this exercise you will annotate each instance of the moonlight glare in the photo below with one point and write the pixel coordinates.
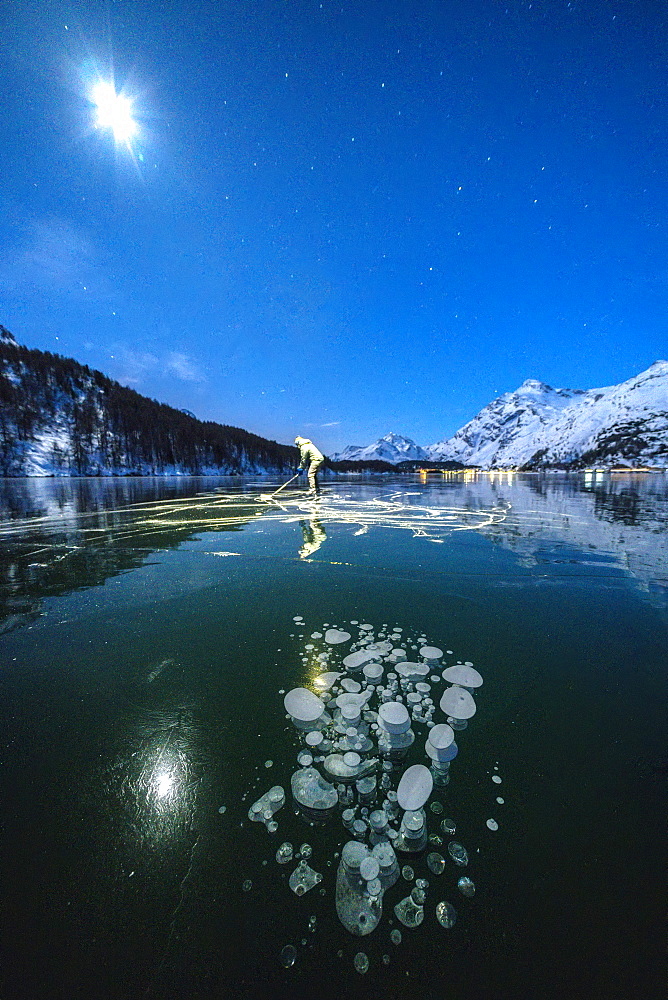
(114, 111)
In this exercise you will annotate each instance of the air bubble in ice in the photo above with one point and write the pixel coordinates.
(496, 779)
(306, 851)
(458, 853)
(268, 804)
(323, 682)
(492, 824)
(284, 853)
(334, 636)
(369, 869)
(409, 912)
(436, 808)
(464, 675)
(458, 704)
(288, 956)
(448, 826)
(499, 799)
(446, 914)
(303, 878)
(361, 963)
(466, 886)
(415, 787)
(312, 792)
(303, 706)
(395, 936)
(247, 885)
(436, 863)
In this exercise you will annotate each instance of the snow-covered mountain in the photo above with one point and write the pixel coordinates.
(537, 426)
(392, 448)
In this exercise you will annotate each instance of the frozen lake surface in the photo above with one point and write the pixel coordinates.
(150, 631)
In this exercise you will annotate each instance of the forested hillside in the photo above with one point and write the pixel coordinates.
(59, 417)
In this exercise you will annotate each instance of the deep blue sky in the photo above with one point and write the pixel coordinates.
(338, 219)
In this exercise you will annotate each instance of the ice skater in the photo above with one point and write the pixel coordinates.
(309, 458)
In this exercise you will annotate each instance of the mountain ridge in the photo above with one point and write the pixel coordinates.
(61, 418)
(538, 426)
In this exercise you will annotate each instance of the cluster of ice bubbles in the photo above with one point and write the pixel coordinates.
(355, 725)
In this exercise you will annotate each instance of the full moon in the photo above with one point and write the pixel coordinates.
(114, 111)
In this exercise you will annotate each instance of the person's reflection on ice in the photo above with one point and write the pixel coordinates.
(313, 535)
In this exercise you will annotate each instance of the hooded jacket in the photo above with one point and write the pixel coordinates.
(308, 452)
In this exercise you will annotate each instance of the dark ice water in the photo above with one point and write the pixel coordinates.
(141, 671)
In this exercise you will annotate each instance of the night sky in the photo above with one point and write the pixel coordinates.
(338, 218)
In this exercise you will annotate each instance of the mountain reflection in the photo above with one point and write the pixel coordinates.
(61, 535)
(57, 536)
